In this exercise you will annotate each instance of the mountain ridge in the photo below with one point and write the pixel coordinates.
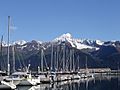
(99, 53)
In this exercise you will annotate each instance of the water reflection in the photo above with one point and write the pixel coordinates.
(99, 83)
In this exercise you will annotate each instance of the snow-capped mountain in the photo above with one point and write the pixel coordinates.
(78, 43)
(64, 37)
(28, 46)
(20, 42)
(97, 51)
(99, 42)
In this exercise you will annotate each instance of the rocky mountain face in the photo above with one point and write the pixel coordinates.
(63, 49)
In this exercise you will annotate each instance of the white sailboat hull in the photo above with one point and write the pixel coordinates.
(27, 82)
(2, 87)
(7, 85)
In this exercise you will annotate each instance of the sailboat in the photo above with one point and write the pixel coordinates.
(74, 73)
(87, 74)
(2, 71)
(48, 76)
(3, 83)
(18, 78)
(22, 78)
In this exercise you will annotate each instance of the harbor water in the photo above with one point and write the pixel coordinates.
(97, 83)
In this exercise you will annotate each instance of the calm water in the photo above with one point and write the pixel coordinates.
(101, 83)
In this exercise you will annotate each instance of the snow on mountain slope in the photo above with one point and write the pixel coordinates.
(78, 43)
(20, 42)
(99, 42)
(64, 37)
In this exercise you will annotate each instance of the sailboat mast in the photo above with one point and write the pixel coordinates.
(1, 51)
(70, 59)
(39, 63)
(73, 65)
(1, 44)
(86, 63)
(78, 58)
(55, 62)
(8, 61)
(57, 58)
(13, 49)
(42, 60)
(52, 57)
(64, 57)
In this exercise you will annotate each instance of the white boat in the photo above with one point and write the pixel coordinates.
(15, 77)
(46, 77)
(7, 85)
(75, 76)
(87, 74)
(3, 83)
(41, 87)
(22, 78)
(18, 78)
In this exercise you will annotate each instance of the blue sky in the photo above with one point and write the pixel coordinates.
(46, 19)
